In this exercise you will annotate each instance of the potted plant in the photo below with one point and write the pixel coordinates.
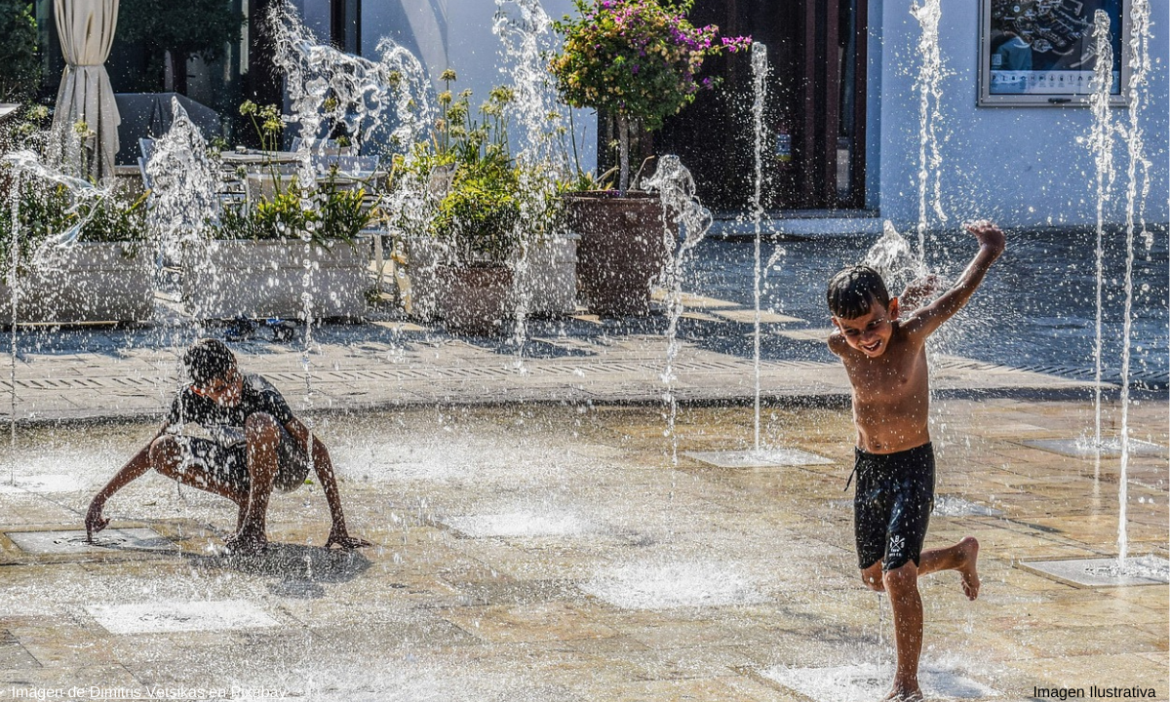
(462, 196)
(75, 256)
(639, 61)
(289, 250)
(296, 254)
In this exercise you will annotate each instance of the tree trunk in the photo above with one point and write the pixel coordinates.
(168, 72)
(624, 151)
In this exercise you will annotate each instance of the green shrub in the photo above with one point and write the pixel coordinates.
(47, 211)
(476, 207)
(333, 215)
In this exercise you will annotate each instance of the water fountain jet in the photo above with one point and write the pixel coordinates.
(758, 456)
(681, 206)
(1123, 570)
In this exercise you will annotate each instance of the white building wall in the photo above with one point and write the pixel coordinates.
(419, 25)
(458, 34)
(1021, 166)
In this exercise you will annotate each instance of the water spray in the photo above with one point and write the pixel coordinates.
(760, 72)
(681, 206)
(1137, 171)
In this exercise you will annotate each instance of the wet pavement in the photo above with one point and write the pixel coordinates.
(102, 373)
(555, 553)
(534, 539)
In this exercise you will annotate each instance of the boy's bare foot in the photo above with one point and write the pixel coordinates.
(969, 568)
(246, 544)
(902, 694)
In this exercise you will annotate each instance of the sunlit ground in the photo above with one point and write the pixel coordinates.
(555, 553)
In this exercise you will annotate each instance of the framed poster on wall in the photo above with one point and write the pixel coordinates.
(1042, 52)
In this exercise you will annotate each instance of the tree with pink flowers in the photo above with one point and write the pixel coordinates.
(639, 60)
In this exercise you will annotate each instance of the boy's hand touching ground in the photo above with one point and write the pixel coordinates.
(94, 522)
(988, 235)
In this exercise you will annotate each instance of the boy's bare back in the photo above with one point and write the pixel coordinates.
(885, 357)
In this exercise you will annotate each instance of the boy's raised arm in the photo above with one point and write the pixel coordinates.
(918, 292)
(991, 245)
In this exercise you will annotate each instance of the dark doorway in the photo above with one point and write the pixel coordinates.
(345, 25)
(814, 123)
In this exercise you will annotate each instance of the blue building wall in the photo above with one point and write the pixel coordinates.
(1021, 166)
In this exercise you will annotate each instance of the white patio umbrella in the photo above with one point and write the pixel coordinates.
(86, 29)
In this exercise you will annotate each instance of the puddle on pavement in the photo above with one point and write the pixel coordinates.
(51, 483)
(952, 506)
(517, 524)
(674, 585)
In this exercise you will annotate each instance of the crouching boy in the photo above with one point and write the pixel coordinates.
(254, 445)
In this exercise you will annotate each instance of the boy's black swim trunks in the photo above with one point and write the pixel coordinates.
(230, 463)
(227, 457)
(891, 509)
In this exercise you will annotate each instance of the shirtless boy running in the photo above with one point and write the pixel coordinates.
(885, 358)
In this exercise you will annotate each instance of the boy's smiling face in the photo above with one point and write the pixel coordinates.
(870, 333)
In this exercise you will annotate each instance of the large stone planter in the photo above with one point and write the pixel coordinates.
(550, 282)
(477, 299)
(85, 282)
(263, 279)
(621, 252)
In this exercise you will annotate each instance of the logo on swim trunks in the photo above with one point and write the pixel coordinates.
(896, 544)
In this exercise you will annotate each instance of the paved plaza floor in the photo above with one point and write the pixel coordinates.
(557, 553)
(540, 534)
(102, 373)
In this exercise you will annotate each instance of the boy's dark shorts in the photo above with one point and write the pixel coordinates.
(891, 509)
(230, 463)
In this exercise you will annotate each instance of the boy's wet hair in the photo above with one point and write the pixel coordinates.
(208, 359)
(854, 290)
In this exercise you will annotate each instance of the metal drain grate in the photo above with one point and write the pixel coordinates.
(65, 542)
